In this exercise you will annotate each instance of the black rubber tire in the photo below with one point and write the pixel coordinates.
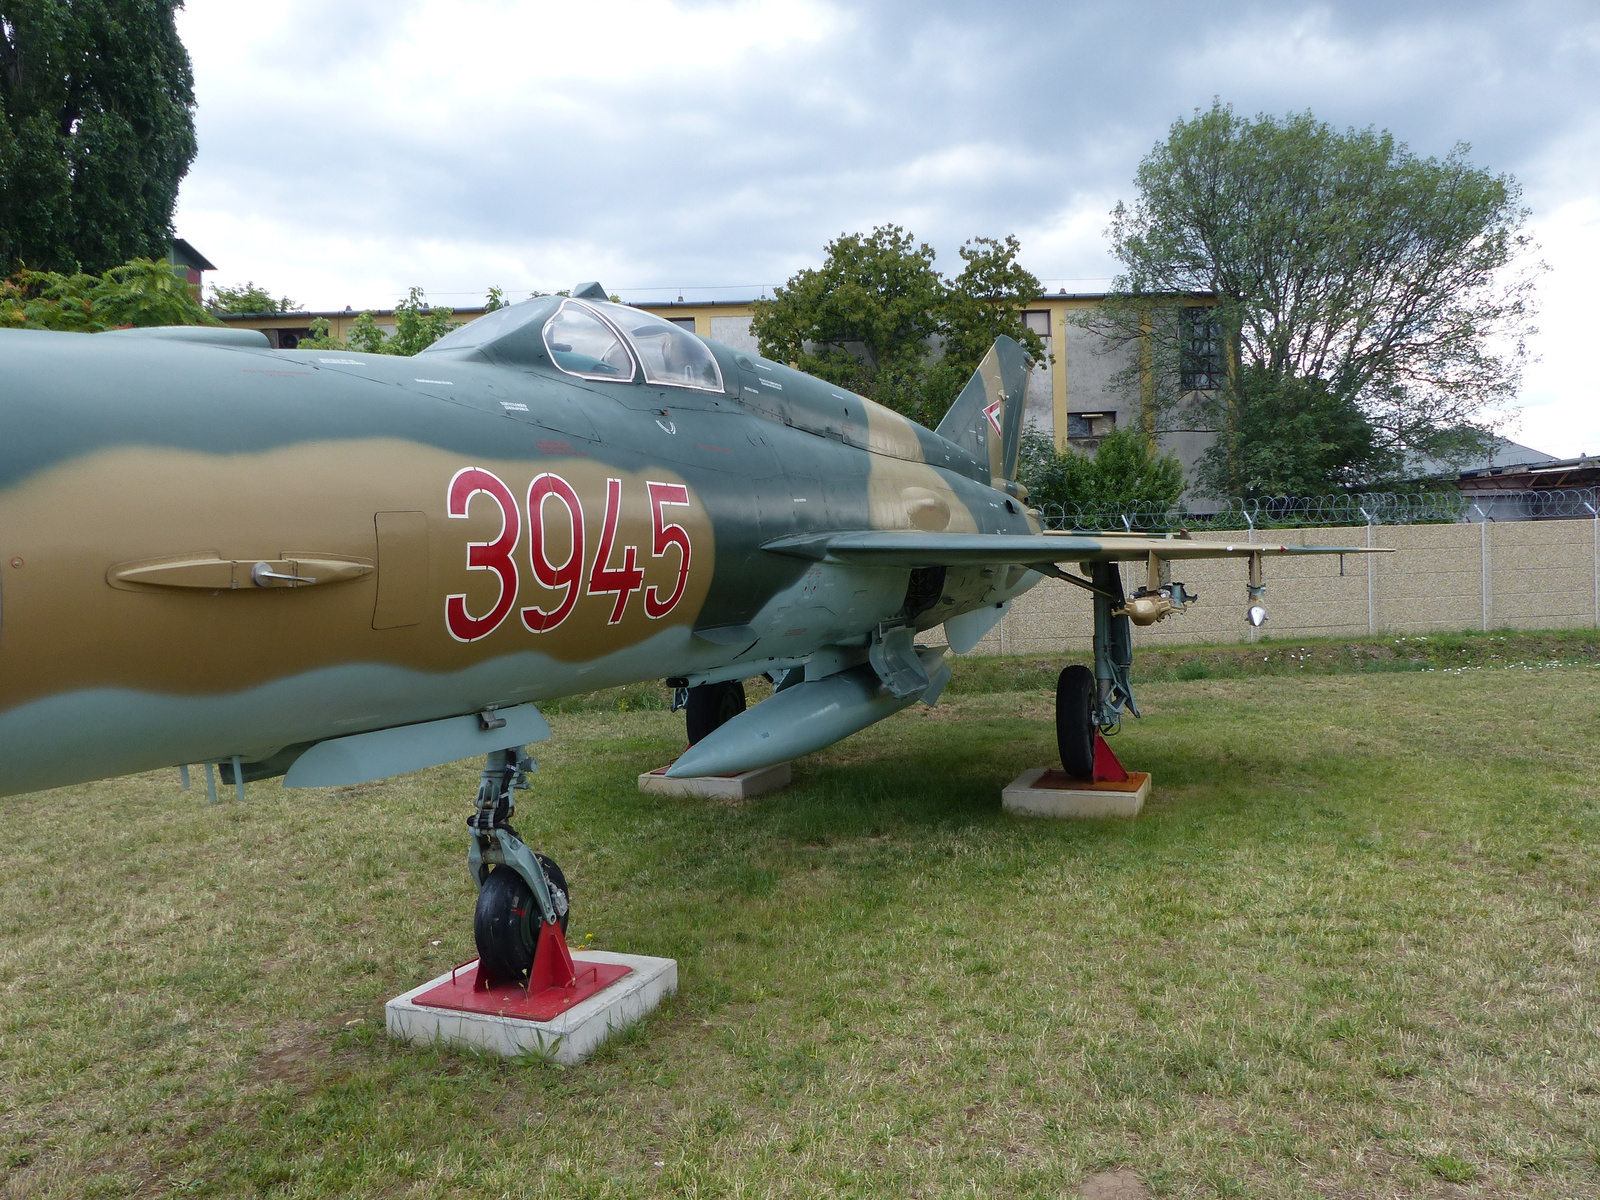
(711, 706)
(506, 924)
(1075, 721)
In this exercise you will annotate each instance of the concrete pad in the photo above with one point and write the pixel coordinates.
(718, 787)
(1047, 792)
(567, 1039)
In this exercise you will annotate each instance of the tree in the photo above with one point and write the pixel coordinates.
(417, 325)
(247, 298)
(1393, 281)
(96, 131)
(1293, 437)
(139, 293)
(879, 319)
(984, 302)
(863, 320)
(1124, 473)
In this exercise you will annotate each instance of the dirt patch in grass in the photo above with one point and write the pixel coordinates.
(1114, 1185)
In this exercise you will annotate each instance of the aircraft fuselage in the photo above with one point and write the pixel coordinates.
(210, 551)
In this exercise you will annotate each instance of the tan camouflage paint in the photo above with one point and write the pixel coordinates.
(64, 628)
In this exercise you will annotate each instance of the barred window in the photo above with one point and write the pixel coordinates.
(1199, 349)
(1090, 424)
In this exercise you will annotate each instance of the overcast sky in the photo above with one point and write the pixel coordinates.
(351, 149)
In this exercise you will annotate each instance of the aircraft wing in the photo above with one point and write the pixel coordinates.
(911, 548)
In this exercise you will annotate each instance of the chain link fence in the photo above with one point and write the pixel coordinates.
(1360, 508)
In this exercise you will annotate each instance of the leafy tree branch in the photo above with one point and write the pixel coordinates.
(247, 298)
(879, 319)
(417, 325)
(138, 293)
(96, 131)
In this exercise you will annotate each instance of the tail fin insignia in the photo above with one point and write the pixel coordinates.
(986, 419)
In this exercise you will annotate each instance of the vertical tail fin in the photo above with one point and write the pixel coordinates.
(986, 418)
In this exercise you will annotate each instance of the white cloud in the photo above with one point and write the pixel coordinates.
(350, 150)
(1561, 392)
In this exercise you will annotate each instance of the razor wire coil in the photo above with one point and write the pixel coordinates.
(1358, 508)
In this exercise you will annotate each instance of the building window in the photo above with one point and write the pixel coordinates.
(682, 322)
(1090, 424)
(1038, 320)
(1199, 349)
(286, 339)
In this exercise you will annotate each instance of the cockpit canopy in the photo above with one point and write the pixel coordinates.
(580, 343)
(669, 355)
(593, 339)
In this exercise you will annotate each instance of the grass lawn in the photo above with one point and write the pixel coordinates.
(1350, 949)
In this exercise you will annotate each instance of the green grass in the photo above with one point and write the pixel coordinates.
(1305, 656)
(1268, 656)
(1349, 949)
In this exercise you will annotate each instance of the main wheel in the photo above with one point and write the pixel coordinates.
(1075, 721)
(506, 925)
(711, 706)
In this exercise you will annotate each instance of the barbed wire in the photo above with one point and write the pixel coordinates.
(1360, 508)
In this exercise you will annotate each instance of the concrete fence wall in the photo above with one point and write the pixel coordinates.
(1518, 575)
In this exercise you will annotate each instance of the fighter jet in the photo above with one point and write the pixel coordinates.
(338, 567)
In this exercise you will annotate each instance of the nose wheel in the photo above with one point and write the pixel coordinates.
(506, 924)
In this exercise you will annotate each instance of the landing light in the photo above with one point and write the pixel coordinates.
(1257, 615)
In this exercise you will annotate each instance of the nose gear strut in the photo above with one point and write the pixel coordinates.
(495, 844)
(516, 939)
(524, 967)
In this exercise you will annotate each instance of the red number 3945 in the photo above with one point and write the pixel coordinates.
(553, 507)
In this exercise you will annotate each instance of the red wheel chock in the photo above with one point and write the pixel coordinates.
(555, 983)
(1107, 767)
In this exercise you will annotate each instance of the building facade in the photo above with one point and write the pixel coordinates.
(190, 263)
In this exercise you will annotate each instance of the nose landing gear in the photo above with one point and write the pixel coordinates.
(516, 899)
(524, 903)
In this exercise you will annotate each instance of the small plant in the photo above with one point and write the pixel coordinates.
(1193, 669)
(1449, 1167)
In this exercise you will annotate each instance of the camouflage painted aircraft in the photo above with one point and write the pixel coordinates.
(337, 567)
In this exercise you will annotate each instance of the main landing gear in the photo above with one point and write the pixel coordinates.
(1088, 702)
(711, 706)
